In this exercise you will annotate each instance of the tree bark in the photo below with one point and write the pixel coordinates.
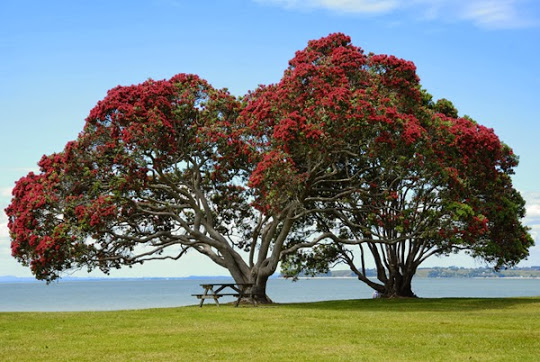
(395, 278)
(398, 285)
(258, 291)
(241, 273)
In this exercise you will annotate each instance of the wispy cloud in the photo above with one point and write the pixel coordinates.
(532, 220)
(533, 212)
(533, 208)
(489, 14)
(496, 14)
(345, 6)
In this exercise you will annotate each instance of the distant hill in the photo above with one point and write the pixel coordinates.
(455, 272)
(446, 272)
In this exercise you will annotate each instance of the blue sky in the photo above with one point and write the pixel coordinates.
(58, 58)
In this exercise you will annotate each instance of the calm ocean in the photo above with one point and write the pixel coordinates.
(159, 293)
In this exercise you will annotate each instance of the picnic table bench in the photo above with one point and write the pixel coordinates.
(215, 291)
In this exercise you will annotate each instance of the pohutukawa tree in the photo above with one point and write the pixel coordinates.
(160, 169)
(157, 171)
(412, 180)
(345, 150)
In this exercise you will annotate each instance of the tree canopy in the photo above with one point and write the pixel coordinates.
(346, 150)
(412, 180)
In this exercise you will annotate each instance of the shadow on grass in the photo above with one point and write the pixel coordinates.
(420, 304)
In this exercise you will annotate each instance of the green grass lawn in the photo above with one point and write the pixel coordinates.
(402, 329)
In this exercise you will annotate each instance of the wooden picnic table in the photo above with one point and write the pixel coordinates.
(215, 291)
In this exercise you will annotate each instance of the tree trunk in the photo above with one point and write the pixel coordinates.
(398, 288)
(242, 273)
(398, 285)
(395, 280)
(258, 291)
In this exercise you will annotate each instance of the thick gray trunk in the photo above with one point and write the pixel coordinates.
(394, 281)
(241, 273)
(258, 291)
(398, 286)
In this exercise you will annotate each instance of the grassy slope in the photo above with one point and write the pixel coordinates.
(423, 329)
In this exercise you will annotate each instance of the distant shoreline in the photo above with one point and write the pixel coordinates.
(431, 273)
(90, 280)
(456, 277)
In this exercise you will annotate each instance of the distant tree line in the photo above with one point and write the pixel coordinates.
(443, 272)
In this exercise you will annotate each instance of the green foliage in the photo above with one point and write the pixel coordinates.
(318, 261)
(445, 107)
(412, 178)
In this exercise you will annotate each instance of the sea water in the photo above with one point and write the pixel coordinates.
(106, 294)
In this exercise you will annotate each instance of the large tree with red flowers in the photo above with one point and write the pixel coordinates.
(345, 150)
(411, 178)
(160, 169)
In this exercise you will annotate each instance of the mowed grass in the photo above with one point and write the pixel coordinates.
(401, 329)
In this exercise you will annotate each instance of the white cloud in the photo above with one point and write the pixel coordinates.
(345, 6)
(532, 220)
(533, 211)
(532, 206)
(490, 14)
(495, 14)
(534, 252)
